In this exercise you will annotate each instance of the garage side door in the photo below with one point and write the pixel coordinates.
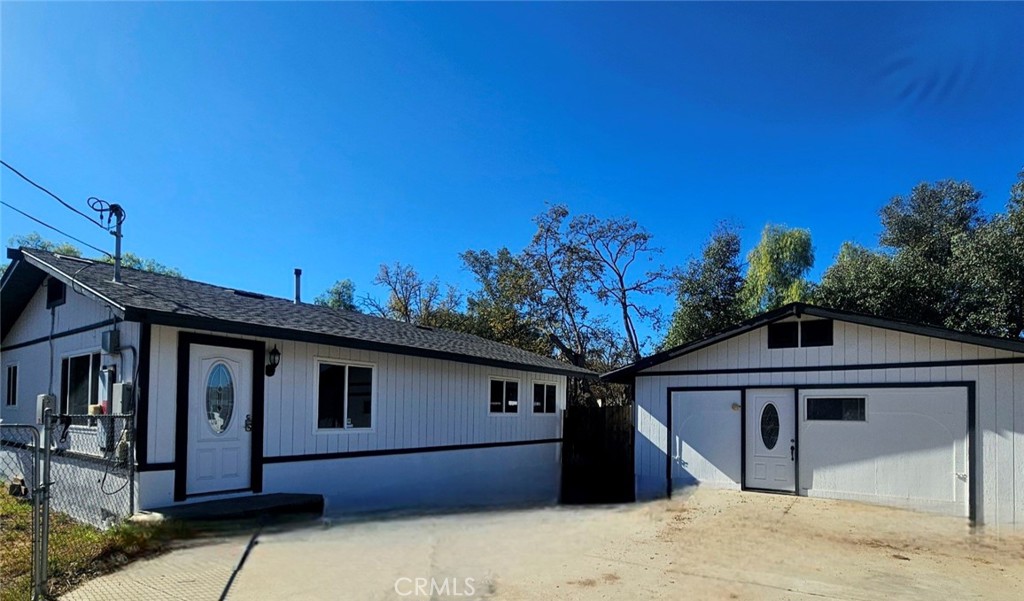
(706, 438)
(906, 447)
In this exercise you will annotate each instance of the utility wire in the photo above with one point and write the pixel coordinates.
(63, 233)
(55, 197)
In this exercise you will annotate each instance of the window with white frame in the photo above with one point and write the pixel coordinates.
(11, 398)
(79, 383)
(504, 396)
(344, 396)
(544, 397)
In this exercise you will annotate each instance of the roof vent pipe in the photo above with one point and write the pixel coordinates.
(298, 285)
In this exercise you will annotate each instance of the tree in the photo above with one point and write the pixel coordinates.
(708, 290)
(776, 269)
(412, 300)
(133, 261)
(341, 295)
(942, 262)
(613, 247)
(500, 309)
(560, 266)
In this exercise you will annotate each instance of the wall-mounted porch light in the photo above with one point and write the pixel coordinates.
(273, 360)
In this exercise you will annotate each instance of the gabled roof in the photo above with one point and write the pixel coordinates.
(624, 374)
(159, 299)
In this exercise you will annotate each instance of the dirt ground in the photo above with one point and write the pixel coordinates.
(706, 545)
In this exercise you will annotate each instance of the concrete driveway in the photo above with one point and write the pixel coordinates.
(709, 545)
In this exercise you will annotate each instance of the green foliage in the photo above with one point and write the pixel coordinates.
(776, 269)
(133, 261)
(943, 263)
(500, 309)
(342, 295)
(708, 290)
(413, 300)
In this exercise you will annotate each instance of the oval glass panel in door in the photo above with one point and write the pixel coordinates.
(769, 426)
(220, 398)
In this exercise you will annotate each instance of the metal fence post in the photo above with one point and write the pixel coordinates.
(44, 539)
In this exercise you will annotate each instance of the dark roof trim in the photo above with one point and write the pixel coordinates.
(247, 329)
(626, 374)
(69, 280)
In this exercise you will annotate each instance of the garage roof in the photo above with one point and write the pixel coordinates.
(624, 374)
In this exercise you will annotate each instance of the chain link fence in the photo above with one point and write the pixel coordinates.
(64, 488)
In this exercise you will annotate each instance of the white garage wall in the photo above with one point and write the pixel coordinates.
(705, 430)
(907, 452)
(999, 397)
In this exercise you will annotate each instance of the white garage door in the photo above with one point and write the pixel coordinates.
(906, 447)
(706, 438)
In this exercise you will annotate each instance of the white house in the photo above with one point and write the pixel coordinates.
(371, 413)
(818, 402)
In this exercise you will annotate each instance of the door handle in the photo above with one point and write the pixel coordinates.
(248, 422)
(792, 450)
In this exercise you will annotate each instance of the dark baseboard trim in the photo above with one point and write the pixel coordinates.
(408, 451)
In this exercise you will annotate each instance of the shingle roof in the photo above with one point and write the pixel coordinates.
(160, 299)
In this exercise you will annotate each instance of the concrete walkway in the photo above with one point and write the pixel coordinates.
(715, 545)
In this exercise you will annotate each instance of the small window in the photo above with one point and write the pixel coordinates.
(783, 335)
(56, 293)
(841, 409)
(504, 396)
(345, 396)
(11, 399)
(816, 332)
(79, 385)
(544, 396)
(220, 398)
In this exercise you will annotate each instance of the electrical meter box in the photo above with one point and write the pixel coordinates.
(44, 402)
(121, 398)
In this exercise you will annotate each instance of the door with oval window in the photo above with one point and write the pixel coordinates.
(220, 409)
(771, 440)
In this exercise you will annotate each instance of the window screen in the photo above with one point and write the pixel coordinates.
(816, 332)
(12, 385)
(55, 293)
(345, 396)
(842, 409)
(544, 396)
(504, 396)
(783, 335)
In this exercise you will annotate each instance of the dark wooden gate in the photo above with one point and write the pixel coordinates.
(597, 455)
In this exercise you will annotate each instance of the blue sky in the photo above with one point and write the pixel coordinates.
(248, 139)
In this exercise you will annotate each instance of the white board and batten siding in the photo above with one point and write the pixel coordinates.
(418, 403)
(31, 350)
(999, 405)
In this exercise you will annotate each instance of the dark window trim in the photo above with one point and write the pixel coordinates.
(972, 437)
(344, 412)
(533, 404)
(11, 390)
(95, 366)
(863, 408)
(504, 395)
(779, 335)
(824, 341)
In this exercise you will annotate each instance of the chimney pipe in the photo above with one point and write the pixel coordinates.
(298, 285)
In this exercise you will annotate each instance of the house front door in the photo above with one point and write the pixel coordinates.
(220, 419)
(771, 440)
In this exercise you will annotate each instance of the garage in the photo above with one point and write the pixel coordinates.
(816, 402)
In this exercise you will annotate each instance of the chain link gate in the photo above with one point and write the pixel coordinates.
(72, 479)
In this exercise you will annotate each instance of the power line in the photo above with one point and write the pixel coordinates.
(63, 233)
(55, 197)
